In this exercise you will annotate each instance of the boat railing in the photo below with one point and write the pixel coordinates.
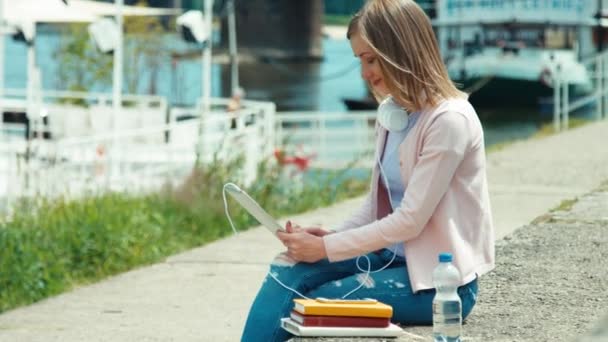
(565, 103)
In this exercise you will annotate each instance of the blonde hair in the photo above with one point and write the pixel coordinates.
(400, 33)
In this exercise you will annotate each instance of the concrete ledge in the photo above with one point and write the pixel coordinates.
(549, 283)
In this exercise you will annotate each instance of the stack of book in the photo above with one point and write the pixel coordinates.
(326, 317)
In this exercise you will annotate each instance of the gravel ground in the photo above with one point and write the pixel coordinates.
(550, 281)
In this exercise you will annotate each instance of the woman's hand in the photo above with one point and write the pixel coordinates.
(317, 231)
(304, 244)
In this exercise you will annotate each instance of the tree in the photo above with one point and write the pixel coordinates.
(82, 67)
(145, 51)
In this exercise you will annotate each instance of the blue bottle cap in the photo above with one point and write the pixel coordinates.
(445, 257)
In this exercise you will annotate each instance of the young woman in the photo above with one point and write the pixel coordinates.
(428, 190)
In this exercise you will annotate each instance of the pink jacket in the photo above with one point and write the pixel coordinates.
(446, 206)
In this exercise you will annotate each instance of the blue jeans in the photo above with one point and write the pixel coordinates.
(334, 280)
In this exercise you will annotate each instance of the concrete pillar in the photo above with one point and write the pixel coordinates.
(281, 29)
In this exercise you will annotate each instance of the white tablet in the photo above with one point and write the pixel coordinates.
(253, 208)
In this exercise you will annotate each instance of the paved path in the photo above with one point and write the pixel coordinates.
(204, 294)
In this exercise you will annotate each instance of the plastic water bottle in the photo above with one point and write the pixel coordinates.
(447, 307)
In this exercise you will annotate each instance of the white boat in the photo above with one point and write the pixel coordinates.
(496, 49)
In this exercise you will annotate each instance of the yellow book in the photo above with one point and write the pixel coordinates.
(351, 309)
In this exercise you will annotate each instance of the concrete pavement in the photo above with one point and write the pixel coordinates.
(204, 294)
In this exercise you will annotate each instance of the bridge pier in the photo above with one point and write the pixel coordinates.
(279, 29)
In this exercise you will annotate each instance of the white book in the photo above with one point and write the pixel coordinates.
(299, 330)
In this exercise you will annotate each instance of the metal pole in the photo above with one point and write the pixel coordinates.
(207, 64)
(460, 46)
(599, 83)
(116, 86)
(31, 66)
(604, 80)
(205, 79)
(566, 106)
(556, 99)
(31, 117)
(600, 62)
(234, 61)
(2, 28)
(600, 29)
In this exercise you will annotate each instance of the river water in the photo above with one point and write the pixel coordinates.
(302, 86)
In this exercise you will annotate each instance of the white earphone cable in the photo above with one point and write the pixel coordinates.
(367, 271)
(226, 208)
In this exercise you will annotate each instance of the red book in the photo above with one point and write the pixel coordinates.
(340, 321)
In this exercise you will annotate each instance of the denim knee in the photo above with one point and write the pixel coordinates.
(468, 296)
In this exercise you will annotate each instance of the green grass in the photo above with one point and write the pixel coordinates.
(49, 246)
(603, 186)
(547, 129)
(565, 205)
(499, 146)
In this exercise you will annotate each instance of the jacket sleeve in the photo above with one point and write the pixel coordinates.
(444, 145)
(361, 217)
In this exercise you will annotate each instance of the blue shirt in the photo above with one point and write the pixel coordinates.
(391, 172)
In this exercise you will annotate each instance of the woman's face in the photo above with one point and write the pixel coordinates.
(370, 68)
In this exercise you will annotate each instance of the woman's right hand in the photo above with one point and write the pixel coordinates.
(316, 231)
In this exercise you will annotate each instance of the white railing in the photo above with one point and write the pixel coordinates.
(87, 98)
(143, 157)
(138, 158)
(71, 114)
(260, 113)
(563, 105)
(129, 160)
(9, 171)
(330, 140)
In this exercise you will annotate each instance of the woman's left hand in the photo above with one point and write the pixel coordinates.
(303, 246)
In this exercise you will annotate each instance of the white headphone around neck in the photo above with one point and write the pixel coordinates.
(392, 116)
